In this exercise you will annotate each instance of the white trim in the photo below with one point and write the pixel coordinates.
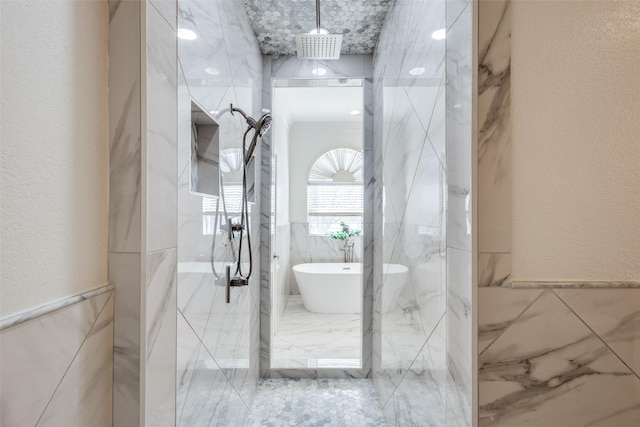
(32, 313)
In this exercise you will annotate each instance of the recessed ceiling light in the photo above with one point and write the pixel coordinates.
(213, 112)
(319, 71)
(185, 34)
(315, 31)
(212, 71)
(355, 112)
(440, 34)
(417, 71)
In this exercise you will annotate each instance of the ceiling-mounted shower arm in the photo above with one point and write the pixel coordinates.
(317, 16)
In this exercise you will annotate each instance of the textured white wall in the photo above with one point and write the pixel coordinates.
(54, 150)
(576, 140)
(307, 142)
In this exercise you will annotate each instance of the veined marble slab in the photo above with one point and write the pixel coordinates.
(570, 377)
(38, 355)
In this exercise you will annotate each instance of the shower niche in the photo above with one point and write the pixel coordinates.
(205, 153)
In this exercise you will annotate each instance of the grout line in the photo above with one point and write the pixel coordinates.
(509, 324)
(74, 358)
(596, 334)
(229, 380)
(414, 360)
(459, 15)
(186, 396)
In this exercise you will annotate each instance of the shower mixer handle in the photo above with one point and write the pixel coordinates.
(236, 281)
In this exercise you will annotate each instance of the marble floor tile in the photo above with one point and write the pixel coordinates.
(312, 340)
(321, 402)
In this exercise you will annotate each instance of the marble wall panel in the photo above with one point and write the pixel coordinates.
(125, 129)
(204, 395)
(494, 130)
(161, 336)
(168, 10)
(56, 369)
(84, 395)
(411, 140)
(570, 376)
(161, 132)
(613, 314)
(125, 275)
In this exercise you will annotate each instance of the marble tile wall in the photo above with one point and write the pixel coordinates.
(143, 209)
(410, 339)
(218, 343)
(57, 368)
(125, 205)
(304, 247)
(161, 214)
(545, 356)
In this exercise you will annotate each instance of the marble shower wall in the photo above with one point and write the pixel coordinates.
(410, 335)
(57, 367)
(553, 356)
(143, 209)
(218, 343)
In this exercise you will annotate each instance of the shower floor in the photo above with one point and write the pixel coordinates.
(321, 402)
(312, 340)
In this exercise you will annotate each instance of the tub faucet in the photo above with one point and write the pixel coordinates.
(348, 250)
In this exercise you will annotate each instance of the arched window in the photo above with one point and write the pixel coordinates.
(334, 191)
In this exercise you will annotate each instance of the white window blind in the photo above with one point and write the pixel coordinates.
(333, 199)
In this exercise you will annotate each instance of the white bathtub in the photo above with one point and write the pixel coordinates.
(337, 287)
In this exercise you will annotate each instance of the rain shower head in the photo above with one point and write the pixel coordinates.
(318, 44)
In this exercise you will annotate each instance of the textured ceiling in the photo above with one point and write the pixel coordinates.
(276, 22)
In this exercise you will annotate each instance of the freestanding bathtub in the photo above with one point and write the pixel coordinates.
(337, 287)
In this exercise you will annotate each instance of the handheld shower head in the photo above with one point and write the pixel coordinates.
(260, 127)
(264, 124)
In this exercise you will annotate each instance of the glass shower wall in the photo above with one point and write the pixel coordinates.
(218, 342)
(414, 372)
